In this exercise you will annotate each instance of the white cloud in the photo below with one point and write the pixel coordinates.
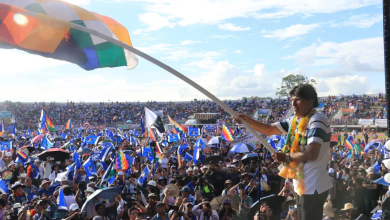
(324, 73)
(202, 64)
(15, 62)
(232, 27)
(188, 42)
(154, 21)
(215, 11)
(190, 12)
(283, 73)
(79, 2)
(361, 21)
(292, 31)
(287, 46)
(343, 85)
(365, 55)
(238, 51)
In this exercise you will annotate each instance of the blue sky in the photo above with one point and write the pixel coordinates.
(233, 48)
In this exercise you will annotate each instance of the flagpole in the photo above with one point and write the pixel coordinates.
(172, 71)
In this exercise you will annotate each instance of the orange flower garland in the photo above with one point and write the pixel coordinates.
(296, 135)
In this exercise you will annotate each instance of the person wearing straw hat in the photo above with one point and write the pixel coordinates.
(228, 186)
(349, 211)
(307, 145)
(289, 211)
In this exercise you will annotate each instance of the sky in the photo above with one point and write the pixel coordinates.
(232, 48)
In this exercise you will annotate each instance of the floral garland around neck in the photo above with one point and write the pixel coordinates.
(296, 141)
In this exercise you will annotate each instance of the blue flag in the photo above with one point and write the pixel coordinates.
(376, 167)
(3, 186)
(90, 168)
(142, 126)
(102, 154)
(76, 157)
(174, 137)
(61, 200)
(6, 145)
(193, 132)
(108, 174)
(109, 133)
(133, 141)
(63, 136)
(136, 133)
(200, 143)
(91, 139)
(46, 144)
(196, 152)
(188, 157)
(280, 143)
(183, 148)
(126, 135)
(147, 152)
(144, 176)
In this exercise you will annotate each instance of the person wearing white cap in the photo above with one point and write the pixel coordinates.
(189, 176)
(369, 193)
(332, 191)
(74, 211)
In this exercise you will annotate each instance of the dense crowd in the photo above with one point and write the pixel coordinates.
(224, 189)
(369, 107)
(27, 114)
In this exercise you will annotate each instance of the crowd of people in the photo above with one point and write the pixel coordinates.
(27, 114)
(224, 182)
(189, 191)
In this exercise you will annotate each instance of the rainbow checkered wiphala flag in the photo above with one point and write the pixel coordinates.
(49, 33)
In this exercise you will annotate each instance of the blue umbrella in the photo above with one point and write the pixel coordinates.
(372, 143)
(242, 148)
(382, 181)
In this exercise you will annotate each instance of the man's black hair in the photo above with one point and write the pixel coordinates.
(97, 207)
(354, 173)
(2, 202)
(305, 91)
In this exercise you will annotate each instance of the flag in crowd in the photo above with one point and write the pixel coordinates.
(69, 125)
(226, 133)
(121, 164)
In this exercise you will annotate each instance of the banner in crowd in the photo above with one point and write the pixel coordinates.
(58, 127)
(9, 128)
(210, 128)
(5, 114)
(98, 127)
(264, 111)
(366, 122)
(381, 122)
(248, 137)
(128, 126)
